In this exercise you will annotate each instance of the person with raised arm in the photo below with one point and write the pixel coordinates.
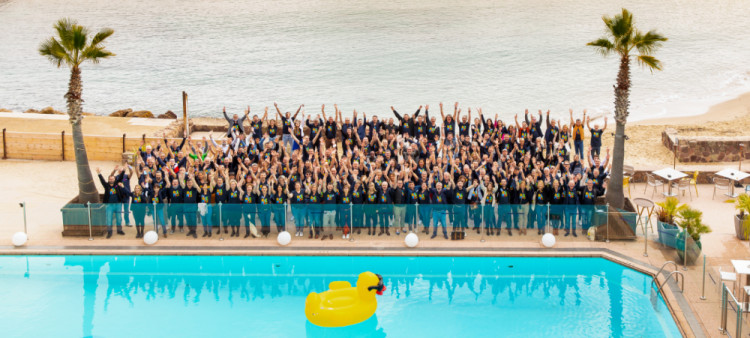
(578, 132)
(190, 196)
(287, 125)
(114, 193)
(407, 125)
(236, 122)
(596, 136)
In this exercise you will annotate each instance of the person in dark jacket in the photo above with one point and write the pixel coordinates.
(235, 123)
(114, 193)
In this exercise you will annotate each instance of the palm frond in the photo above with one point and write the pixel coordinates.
(603, 46)
(649, 62)
(103, 34)
(80, 35)
(619, 25)
(95, 53)
(64, 28)
(649, 42)
(54, 52)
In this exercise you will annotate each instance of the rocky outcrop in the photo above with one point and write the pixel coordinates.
(31, 111)
(3, 110)
(121, 112)
(706, 149)
(140, 113)
(168, 115)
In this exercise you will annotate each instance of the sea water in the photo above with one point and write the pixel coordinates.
(502, 55)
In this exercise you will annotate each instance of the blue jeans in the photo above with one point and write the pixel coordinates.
(113, 210)
(424, 215)
(159, 218)
(126, 213)
(541, 216)
(579, 148)
(299, 217)
(571, 215)
(439, 217)
(287, 140)
(206, 218)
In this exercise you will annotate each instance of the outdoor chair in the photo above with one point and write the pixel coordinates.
(694, 181)
(721, 184)
(626, 184)
(653, 182)
(728, 277)
(682, 185)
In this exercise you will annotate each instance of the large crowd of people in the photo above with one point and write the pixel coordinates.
(331, 172)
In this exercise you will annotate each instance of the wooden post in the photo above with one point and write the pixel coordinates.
(62, 142)
(184, 114)
(5, 147)
(123, 143)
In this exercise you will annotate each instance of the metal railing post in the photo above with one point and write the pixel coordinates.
(684, 252)
(351, 222)
(703, 288)
(25, 229)
(548, 224)
(221, 233)
(155, 228)
(482, 225)
(416, 218)
(739, 320)
(88, 208)
(606, 214)
(723, 322)
(645, 241)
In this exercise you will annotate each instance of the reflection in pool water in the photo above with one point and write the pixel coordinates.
(253, 296)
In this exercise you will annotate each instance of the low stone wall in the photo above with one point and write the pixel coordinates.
(706, 149)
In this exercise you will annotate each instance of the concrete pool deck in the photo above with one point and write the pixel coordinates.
(43, 185)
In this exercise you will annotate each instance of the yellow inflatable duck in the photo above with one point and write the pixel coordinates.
(343, 304)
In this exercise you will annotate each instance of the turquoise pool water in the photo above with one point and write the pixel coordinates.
(241, 296)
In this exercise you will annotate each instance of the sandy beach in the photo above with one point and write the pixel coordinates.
(644, 148)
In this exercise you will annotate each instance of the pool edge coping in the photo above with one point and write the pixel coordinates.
(679, 308)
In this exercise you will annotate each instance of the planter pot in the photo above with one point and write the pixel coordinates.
(738, 227)
(667, 234)
(693, 248)
(76, 219)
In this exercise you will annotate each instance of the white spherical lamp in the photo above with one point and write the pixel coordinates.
(284, 238)
(411, 240)
(151, 237)
(19, 238)
(548, 240)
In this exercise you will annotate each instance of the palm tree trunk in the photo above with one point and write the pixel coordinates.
(87, 191)
(615, 195)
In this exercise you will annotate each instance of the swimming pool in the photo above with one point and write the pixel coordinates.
(264, 296)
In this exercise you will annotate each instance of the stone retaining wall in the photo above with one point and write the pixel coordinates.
(705, 149)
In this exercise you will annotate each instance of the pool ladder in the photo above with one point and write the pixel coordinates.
(680, 277)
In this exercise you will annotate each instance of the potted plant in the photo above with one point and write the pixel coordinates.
(665, 221)
(691, 222)
(741, 220)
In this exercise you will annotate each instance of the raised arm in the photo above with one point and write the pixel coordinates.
(298, 110)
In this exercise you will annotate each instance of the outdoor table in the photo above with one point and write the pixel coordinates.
(742, 268)
(733, 175)
(670, 175)
(644, 206)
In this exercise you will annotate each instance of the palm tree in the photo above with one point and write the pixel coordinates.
(624, 40)
(71, 47)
